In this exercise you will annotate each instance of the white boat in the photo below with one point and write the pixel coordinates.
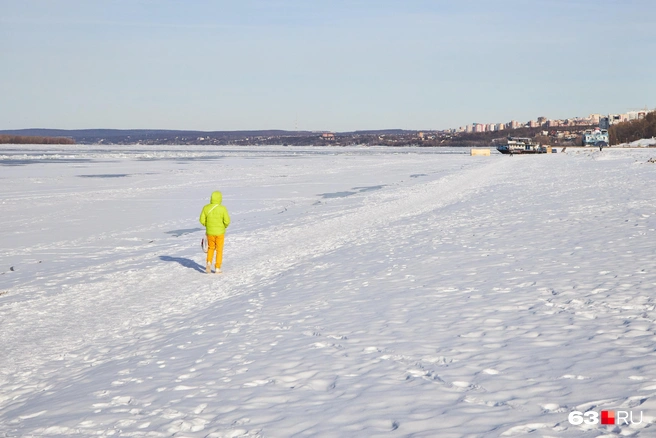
(521, 145)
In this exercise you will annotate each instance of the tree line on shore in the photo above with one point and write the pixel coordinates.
(633, 130)
(29, 139)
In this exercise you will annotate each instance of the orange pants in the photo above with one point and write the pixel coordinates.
(215, 243)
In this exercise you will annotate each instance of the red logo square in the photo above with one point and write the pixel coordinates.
(607, 417)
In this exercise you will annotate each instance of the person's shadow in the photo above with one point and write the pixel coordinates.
(184, 262)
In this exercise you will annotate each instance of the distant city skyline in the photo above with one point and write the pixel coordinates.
(321, 66)
(536, 122)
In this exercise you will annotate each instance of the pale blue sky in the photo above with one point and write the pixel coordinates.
(320, 65)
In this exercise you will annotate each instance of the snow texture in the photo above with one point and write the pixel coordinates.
(366, 292)
(645, 142)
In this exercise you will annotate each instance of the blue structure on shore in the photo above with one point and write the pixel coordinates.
(597, 138)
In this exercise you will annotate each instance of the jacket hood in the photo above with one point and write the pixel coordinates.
(217, 197)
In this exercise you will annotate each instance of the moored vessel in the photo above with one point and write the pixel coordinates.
(521, 145)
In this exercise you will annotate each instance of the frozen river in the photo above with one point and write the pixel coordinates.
(366, 292)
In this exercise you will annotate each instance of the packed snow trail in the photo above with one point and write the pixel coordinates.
(478, 298)
(121, 295)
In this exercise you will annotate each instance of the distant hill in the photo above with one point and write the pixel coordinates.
(145, 133)
(34, 139)
(378, 132)
(165, 136)
(108, 133)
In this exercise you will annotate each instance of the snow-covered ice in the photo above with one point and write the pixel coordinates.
(645, 142)
(366, 292)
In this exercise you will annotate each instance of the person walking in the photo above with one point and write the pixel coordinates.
(214, 217)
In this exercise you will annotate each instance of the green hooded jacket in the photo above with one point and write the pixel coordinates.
(214, 216)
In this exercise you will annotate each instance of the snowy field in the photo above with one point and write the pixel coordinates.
(645, 142)
(366, 292)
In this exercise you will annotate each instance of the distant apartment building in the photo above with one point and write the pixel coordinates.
(611, 119)
(636, 115)
(618, 118)
(584, 122)
(514, 124)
